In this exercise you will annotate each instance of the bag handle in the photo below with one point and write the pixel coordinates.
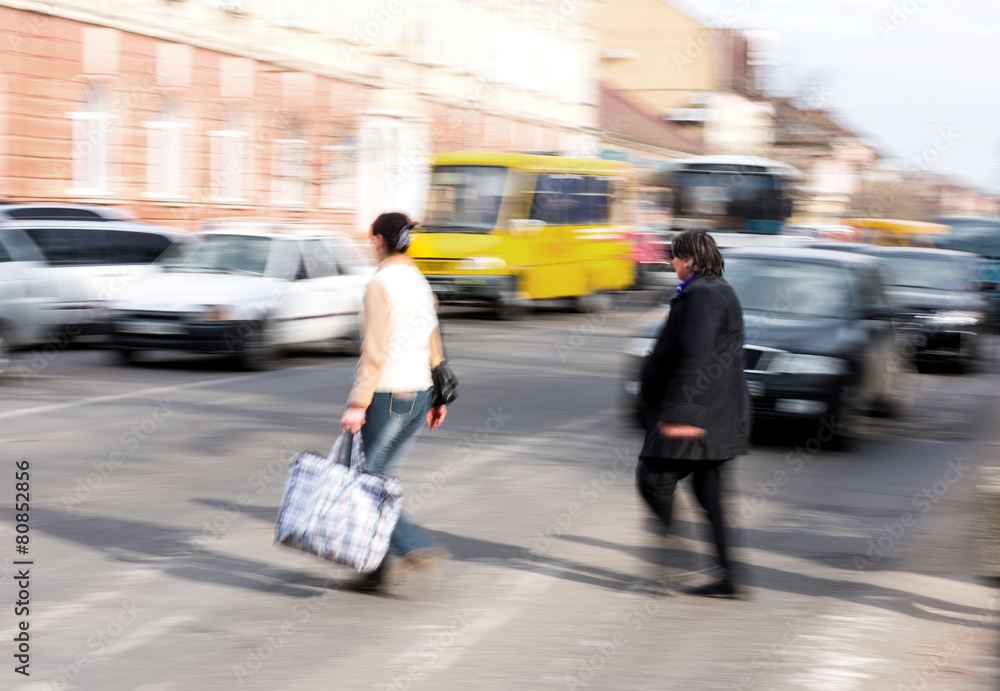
(358, 462)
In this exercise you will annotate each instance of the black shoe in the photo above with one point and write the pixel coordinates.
(363, 583)
(721, 589)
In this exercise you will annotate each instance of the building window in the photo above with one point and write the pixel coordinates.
(290, 171)
(92, 133)
(232, 159)
(294, 13)
(165, 153)
(340, 163)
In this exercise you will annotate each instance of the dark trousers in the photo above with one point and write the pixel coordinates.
(657, 478)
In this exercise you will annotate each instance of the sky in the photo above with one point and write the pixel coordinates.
(917, 78)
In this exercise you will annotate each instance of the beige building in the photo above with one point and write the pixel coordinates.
(687, 72)
(839, 166)
(182, 110)
(630, 133)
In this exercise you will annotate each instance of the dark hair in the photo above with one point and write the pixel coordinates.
(700, 248)
(395, 228)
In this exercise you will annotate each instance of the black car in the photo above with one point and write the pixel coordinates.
(819, 336)
(942, 310)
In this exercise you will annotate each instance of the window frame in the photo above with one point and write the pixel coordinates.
(94, 125)
(166, 151)
(231, 148)
(336, 187)
(290, 177)
(293, 14)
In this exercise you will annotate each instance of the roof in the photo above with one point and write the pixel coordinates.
(96, 224)
(859, 247)
(250, 231)
(57, 211)
(532, 161)
(766, 165)
(970, 220)
(916, 252)
(898, 226)
(270, 227)
(819, 256)
(797, 125)
(622, 117)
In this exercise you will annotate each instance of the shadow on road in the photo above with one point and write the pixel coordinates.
(754, 575)
(171, 550)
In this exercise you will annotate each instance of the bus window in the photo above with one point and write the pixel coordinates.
(597, 201)
(570, 199)
(557, 199)
(464, 199)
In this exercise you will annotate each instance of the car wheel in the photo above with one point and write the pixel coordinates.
(846, 423)
(507, 308)
(968, 357)
(259, 351)
(124, 356)
(641, 277)
(900, 389)
(593, 302)
(4, 352)
(348, 345)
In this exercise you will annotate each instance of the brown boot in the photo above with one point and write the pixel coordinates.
(424, 558)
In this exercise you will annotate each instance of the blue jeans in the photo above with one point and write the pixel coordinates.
(392, 422)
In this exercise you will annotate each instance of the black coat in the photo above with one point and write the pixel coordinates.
(694, 375)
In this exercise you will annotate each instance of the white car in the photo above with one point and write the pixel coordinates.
(245, 293)
(89, 262)
(25, 295)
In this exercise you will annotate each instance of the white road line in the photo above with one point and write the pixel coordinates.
(144, 393)
(56, 613)
(148, 633)
(520, 587)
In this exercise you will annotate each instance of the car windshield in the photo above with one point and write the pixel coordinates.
(728, 195)
(978, 237)
(464, 199)
(351, 254)
(932, 273)
(236, 254)
(781, 287)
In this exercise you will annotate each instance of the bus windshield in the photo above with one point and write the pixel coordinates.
(730, 195)
(464, 199)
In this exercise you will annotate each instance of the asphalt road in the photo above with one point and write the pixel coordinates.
(154, 487)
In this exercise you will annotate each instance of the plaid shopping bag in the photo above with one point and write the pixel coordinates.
(336, 511)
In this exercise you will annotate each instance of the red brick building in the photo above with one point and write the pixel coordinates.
(176, 132)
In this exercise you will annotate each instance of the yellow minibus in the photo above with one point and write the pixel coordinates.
(507, 229)
(896, 233)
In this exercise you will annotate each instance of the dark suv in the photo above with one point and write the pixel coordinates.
(819, 343)
(941, 300)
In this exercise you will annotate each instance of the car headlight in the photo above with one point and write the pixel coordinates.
(958, 318)
(639, 347)
(481, 264)
(794, 363)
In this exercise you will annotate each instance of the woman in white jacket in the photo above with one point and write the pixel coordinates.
(392, 394)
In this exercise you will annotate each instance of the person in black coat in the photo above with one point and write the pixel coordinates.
(695, 395)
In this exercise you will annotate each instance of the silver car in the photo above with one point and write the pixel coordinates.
(25, 295)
